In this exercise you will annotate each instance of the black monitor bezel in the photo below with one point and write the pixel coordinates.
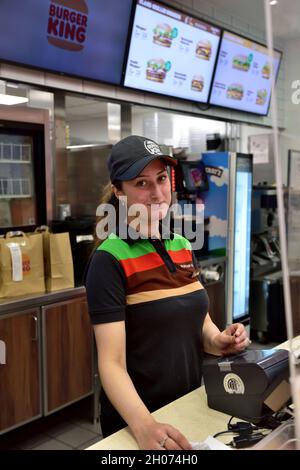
(226, 30)
(153, 93)
(73, 75)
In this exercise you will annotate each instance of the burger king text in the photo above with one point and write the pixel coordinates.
(68, 25)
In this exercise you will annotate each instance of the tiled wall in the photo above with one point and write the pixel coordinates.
(201, 8)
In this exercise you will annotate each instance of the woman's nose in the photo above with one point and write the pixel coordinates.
(155, 192)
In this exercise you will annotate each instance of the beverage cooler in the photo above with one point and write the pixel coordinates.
(228, 209)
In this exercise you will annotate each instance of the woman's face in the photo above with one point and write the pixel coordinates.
(151, 188)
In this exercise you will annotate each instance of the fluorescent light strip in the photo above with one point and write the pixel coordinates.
(82, 146)
(11, 100)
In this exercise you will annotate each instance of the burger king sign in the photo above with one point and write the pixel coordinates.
(67, 24)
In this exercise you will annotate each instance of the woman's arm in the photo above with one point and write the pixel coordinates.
(232, 340)
(110, 340)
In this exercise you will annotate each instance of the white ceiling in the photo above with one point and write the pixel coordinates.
(250, 11)
(285, 15)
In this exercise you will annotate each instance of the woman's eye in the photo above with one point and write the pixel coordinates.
(162, 178)
(141, 183)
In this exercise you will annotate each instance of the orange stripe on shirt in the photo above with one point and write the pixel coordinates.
(151, 296)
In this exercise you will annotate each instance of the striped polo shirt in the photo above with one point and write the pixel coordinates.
(148, 269)
(153, 286)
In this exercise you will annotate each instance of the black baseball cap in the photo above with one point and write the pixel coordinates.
(131, 155)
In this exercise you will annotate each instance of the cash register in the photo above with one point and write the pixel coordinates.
(251, 385)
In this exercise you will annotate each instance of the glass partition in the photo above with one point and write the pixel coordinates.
(282, 25)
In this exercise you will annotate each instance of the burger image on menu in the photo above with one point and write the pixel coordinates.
(157, 69)
(261, 96)
(163, 35)
(266, 71)
(235, 91)
(203, 50)
(242, 62)
(197, 83)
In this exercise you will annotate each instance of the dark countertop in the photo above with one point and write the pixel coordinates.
(15, 304)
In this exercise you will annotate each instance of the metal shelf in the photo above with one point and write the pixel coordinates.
(15, 153)
(15, 187)
(19, 162)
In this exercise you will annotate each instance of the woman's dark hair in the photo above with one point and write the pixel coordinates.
(107, 197)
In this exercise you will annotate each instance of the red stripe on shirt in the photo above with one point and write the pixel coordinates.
(142, 263)
(181, 256)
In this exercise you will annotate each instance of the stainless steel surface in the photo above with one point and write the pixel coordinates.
(113, 122)
(19, 303)
(267, 308)
(126, 120)
(87, 175)
(60, 188)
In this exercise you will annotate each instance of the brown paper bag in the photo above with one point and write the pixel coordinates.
(21, 265)
(58, 261)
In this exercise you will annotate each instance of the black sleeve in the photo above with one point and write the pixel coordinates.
(105, 288)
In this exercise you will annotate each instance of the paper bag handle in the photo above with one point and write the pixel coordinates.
(42, 228)
(15, 233)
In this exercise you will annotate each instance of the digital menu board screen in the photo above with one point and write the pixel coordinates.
(85, 38)
(171, 53)
(242, 79)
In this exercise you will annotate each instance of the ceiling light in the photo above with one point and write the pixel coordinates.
(82, 146)
(12, 94)
(273, 2)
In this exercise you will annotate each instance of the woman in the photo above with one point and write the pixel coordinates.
(148, 307)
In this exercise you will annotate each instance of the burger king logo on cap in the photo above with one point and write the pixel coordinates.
(67, 24)
(152, 147)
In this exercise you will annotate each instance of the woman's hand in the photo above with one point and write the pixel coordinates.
(160, 436)
(232, 340)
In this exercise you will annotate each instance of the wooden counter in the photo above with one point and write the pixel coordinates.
(49, 338)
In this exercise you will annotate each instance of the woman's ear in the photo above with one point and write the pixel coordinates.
(117, 191)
